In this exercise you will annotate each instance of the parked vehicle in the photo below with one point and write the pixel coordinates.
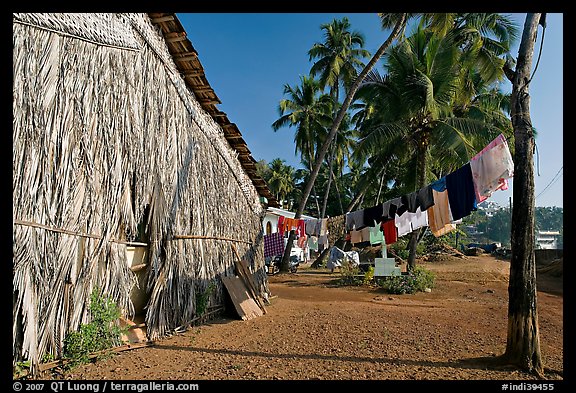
(273, 264)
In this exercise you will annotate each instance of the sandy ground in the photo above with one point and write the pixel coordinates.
(315, 330)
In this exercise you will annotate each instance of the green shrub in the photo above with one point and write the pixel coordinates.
(369, 275)
(349, 275)
(424, 278)
(400, 247)
(417, 280)
(202, 299)
(21, 369)
(102, 333)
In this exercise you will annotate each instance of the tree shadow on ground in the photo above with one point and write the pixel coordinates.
(495, 363)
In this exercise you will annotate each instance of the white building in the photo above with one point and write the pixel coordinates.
(270, 225)
(547, 240)
(489, 207)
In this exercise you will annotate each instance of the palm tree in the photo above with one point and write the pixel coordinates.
(281, 180)
(523, 341)
(399, 23)
(339, 56)
(420, 100)
(339, 156)
(339, 59)
(307, 109)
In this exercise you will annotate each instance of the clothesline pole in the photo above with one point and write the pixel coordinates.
(384, 251)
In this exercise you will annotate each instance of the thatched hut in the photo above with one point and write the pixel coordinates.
(117, 143)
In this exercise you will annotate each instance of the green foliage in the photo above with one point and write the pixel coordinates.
(350, 275)
(369, 275)
(21, 369)
(202, 299)
(101, 334)
(417, 280)
(497, 228)
(400, 247)
(453, 239)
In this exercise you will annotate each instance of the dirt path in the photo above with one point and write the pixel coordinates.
(316, 330)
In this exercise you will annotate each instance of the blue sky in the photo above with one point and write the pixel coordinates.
(249, 57)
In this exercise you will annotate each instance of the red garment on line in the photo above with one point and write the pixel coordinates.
(390, 231)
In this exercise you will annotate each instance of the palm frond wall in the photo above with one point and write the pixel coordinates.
(110, 147)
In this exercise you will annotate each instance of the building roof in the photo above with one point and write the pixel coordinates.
(187, 62)
(286, 213)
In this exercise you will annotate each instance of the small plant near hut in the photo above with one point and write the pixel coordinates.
(21, 369)
(100, 335)
(202, 298)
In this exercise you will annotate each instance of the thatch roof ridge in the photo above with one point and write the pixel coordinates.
(186, 59)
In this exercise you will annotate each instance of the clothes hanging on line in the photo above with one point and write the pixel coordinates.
(403, 224)
(323, 227)
(491, 168)
(312, 227)
(286, 224)
(273, 244)
(418, 219)
(422, 199)
(393, 207)
(409, 222)
(439, 185)
(390, 231)
(313, 243)
(360, 236)
(461, 193)
(300, 228)
(439, 215)
(458, 193)
(355, 220)
(302, 241)
(373, 215)
(280, 224)
(376, 234)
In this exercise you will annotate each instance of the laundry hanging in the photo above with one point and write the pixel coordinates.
(390, 231)
(420, 199)
(273, 244)
(355, 220)
(491, 168)
(461, 193)
(376, 234)
(456, 194)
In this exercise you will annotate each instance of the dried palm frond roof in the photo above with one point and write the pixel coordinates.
(186, 60)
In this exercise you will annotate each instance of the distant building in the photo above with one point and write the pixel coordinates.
(270, 225)
(489, 207)
(547, 240)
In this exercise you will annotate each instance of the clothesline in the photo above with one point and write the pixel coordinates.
(440, 205)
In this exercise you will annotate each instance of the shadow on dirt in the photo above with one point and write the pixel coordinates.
(494, 363)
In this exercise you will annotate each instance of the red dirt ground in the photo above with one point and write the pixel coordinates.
(316, 330)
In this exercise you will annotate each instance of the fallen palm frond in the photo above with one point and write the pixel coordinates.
(109, 147)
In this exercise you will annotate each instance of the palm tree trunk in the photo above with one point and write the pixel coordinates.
(380, 188)
(360, 194)
(523, 342)
(338, 193)
(324, 148)
(421, 180)
(316, 200)
(327, 193)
